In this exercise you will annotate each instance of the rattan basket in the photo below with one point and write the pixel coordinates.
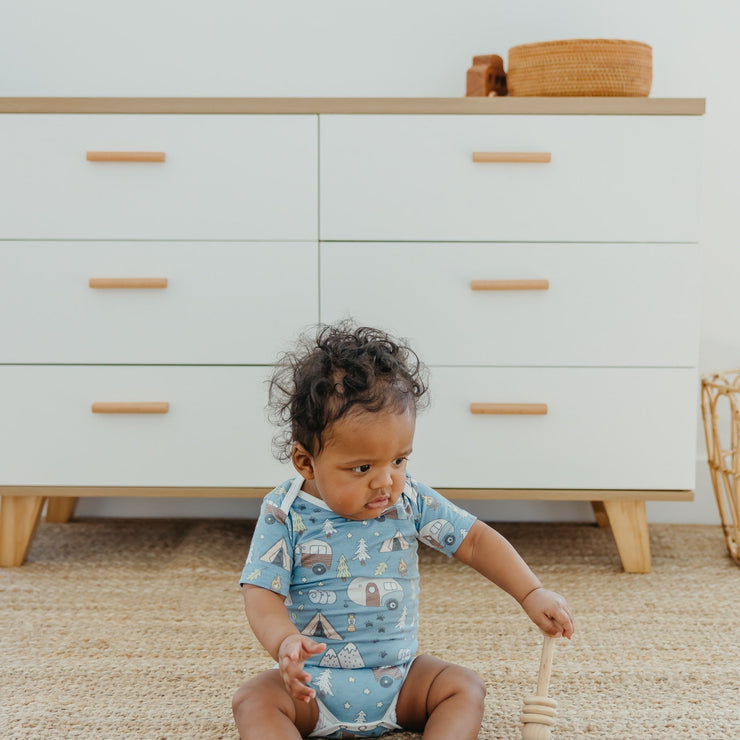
(581, 67)
(720, 405)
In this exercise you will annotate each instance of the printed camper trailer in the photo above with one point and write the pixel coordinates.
(314, 554)
(438, 533)
(274, 514)
(385, 675)
(375, 592)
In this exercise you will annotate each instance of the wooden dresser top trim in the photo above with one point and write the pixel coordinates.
(427, 106)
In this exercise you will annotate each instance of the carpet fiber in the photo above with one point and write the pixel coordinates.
(135, 629)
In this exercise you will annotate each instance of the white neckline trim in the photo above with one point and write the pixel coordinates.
(313, 499)
(293, 491)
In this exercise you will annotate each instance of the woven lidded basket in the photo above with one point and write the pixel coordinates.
(720, 405)
(581, 67)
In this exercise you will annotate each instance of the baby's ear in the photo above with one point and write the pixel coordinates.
(302, 461)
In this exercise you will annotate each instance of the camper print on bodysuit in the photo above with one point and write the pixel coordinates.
(353, 585)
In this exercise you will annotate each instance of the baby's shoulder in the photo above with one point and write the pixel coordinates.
(415, 490)
(280, 491)
(425, 499)
(274, 506)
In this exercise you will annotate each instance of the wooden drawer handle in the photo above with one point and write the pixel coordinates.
(125, 156)
(509, 284)
(128, 282)
(130, 407)
(535, 409)
(527, 157)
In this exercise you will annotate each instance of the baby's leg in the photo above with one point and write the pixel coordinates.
(263, 708)
(441, 699)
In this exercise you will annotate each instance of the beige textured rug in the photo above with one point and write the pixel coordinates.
(135, 629)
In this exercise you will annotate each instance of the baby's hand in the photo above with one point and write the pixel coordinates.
(293, 653)
(550, 612)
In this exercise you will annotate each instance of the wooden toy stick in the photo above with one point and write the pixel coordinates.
(538, 714)
(543, 677)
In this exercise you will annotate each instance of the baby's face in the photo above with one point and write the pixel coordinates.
(361, 471)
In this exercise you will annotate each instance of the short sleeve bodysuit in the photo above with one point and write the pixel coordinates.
(353, 585)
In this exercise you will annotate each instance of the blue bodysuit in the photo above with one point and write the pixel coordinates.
(353, 585)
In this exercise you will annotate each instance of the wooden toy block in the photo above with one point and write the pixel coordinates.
(486, 76)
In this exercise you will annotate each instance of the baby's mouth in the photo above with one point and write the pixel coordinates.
(381, 502)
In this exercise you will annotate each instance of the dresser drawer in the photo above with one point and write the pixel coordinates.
(224, 303)
(604, 428)
(214, 434)
(576, 304)
(223, 177)
(610, 178)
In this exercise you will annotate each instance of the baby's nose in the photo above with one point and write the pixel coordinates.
(382, 480)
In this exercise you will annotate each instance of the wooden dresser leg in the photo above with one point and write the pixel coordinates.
(602, 518)
(628, 521)
(19, 518)
(60, 509)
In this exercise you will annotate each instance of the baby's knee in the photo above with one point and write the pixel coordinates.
(471, 684)
(478, 683)
(254, 695)
(263, 708)
(243, 697)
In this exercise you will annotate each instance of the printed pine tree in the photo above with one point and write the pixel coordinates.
(298, 525)
(360, 717)
(254, 575)
(361, 552)
(343, 568)
(401, 623)
(329, 529)
(324, 683)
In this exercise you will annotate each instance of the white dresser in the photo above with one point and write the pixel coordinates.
(541, 256)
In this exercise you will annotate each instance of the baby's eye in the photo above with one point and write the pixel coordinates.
(400, 460)
(361, 469)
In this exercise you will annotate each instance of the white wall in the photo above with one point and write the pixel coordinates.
(392, 48)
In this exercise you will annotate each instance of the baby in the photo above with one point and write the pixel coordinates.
(331, 581)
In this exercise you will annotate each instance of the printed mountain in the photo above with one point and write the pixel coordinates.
(348, 657)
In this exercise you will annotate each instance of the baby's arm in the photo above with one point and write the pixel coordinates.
(493, 556)
(269, 620)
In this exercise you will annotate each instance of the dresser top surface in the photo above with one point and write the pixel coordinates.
(429, 106)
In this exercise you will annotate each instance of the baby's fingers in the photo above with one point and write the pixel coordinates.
(296, 681)
(548, 626)
(558, 621)
(566, 624)
(300, 691)
(311, 647)
(550, 612)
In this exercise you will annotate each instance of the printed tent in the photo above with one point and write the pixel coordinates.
(278, 555)
(320, 626)
(397, 542)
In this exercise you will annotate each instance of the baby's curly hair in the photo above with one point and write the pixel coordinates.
(337, 368)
